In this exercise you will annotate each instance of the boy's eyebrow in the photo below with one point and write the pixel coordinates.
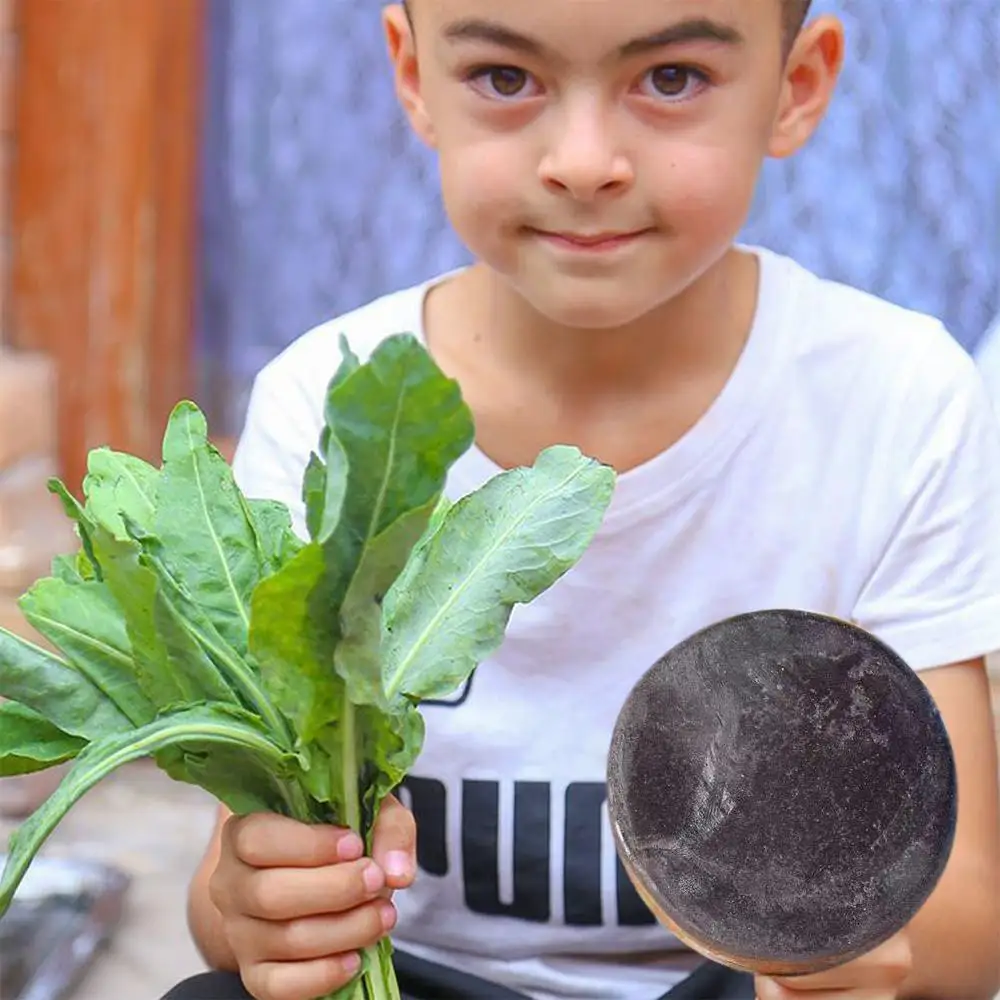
(698, 29)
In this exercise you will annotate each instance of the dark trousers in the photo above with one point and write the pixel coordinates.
(420, 980)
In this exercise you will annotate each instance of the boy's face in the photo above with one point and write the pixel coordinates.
(601, 155)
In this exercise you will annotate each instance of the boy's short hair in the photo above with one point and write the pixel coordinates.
(796, 12)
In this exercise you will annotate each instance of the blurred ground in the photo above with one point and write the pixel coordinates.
(155, 829)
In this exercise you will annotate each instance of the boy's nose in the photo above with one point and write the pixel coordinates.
(584, 161)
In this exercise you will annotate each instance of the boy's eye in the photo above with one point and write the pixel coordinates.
(674, 82)
(501, 82)
(509, 83)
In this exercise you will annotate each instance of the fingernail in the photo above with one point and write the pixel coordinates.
(351, 963)
(397, 864)
(388, 916)
(372, 877)
(350, 847)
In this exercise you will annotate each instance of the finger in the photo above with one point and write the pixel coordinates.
(772, 989)
(766, 988)
(876, 994)
(264, 840)
(314, 937)
(394, 843)
(884, 968)
(300, 980)
(292, 893)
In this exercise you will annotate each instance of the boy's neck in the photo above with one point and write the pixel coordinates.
(700, 331)
(622, 396)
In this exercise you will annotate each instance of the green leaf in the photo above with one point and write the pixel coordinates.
(349, 364)
(116, 484)
(234, 776)
(133, 589)
(324, 489)
(395, 425)
(386, 968)
(440, 513)
(292, 640)
(314, 494)
(401, 424)
(172, 667)
(44, 682)
(243, 779)
(357, 759)
(203, 525)
(502, 545)
(216, 670)
(179, 657)
(74, 568)
(357, 656)
(325, 483)
(397, 754)
(201, 726)
(29, 742)
(82, 521)
(321, 773)
(84, 622)
(277, 542)
(390, 746)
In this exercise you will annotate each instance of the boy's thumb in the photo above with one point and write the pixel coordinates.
(394, 843)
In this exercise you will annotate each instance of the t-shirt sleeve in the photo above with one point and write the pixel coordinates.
(934, 593)
(280, 432)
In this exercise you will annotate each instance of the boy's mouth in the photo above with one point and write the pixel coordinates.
(591, 242)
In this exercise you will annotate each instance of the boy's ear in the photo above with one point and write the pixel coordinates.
(810, 78)
(406, 69)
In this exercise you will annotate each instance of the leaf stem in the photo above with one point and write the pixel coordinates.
(382, 983)
(352, 797)
(252, 691)
(298, 802)
(236, 671)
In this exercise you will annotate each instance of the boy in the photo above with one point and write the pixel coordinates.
(781, 441)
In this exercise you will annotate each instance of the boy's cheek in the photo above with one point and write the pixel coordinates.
(485, 181)
(707, 186)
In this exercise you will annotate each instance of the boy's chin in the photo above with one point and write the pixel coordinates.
(590, 305)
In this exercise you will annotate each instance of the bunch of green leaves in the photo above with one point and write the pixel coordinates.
(280, 674)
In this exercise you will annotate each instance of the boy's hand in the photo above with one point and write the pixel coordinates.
(300, 902)
(879, 975)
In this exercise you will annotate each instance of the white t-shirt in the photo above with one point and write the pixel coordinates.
(988, 359)
(850, 466)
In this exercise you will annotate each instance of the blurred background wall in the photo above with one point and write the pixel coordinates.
(102, 160)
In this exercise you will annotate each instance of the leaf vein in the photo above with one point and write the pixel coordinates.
(499, 541)
(230, 582)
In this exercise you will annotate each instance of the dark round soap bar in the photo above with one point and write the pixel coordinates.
(782, 791)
